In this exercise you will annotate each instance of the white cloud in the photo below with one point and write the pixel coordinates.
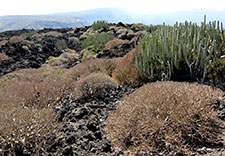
(10, 7)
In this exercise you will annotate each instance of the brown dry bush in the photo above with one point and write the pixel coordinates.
(126, 72)
(91, 66)
(3, 43)
(3, 57)
(114, 43)
(24, 131)
(32, 87)
(52, 33)
(68, 57)
(165, 116)
(16, 39)
(96, 84)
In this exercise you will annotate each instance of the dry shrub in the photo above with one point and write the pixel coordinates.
(91, 66)
(166, 116)
(66, 58)
(16, 39)
(115, 43)
(28, 43)
(3, 57)
(96, 84)
(52, 33)
(32, 87)
(126, 72)
(61, 44)
(24, 131)
(73, 41)
(110, 65)
(3, 43)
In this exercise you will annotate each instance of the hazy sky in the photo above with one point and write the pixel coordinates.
(30, 7)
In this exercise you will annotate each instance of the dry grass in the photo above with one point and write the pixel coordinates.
(23, 131)
(126, 72)
(166, 116)
(26, 116)
(29, 87)
(44, 87)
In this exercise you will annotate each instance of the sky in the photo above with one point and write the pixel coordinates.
(37, 7)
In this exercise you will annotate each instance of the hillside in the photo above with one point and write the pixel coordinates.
(88, 91)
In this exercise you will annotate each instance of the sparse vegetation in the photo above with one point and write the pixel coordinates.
(99, 25)
(168, 115)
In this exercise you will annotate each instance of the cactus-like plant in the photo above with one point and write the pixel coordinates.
(185, 49)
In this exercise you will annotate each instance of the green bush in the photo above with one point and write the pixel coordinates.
(181, 52)
(28, 34)
(100, 24)
(216, 73)
(97, 41)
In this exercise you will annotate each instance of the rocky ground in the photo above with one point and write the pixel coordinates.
(83, 119)
(31, 49)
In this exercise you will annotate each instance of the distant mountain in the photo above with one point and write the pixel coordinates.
(112, 15)
(64, 20)
(38, 22)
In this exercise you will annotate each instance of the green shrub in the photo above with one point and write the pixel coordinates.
(97, 41)
(181, 52)
(138, 26)
(216, 73)
(165, 116)
(100, 24)
(28, 34)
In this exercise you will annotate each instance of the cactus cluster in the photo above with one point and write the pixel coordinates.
(184, 49)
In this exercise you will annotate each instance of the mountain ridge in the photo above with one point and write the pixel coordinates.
(112, 15)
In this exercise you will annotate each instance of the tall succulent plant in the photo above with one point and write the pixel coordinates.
(185, 48)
